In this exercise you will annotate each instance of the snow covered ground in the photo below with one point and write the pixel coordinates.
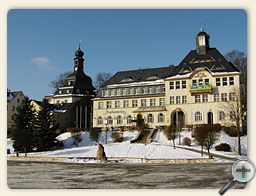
(160, 148)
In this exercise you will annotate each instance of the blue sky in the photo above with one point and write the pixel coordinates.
(41, 43)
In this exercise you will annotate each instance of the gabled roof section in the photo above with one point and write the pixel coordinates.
(213, 60)
(139, 75)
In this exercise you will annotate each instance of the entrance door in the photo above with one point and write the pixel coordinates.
(210, 118)
(181, 119)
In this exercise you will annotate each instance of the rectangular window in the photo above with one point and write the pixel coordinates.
(144, 90)
(232, 97)
(205, 98)
(134, 103)
(131, 91)
(100, 105)
(118, 92)
(224, 97)
(197, 98)
(117, 104)
(194, 82)
(231, 81)
(171, 85)
(150, 90)
(157, 89)
(217, 81)
(152, 102)
(113, 92)
(216, 97)
(172, 100)
(178, 100)
(200, 82)
(177, 84)
(125, 103)
(162, 89)
(207, 81)
(184, 84)
(137, 91)
(109, 104)
(224, 81)
(143, 103)
(184, 99)
(162, 101)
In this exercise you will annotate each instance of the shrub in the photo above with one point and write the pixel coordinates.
(187, 141)
(95, 133)
(223, 147)
(117, 136)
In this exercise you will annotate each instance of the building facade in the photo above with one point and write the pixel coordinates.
(14, 100)
(193, 92)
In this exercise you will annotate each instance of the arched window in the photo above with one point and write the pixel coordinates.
(198, 116)
(129, 119)
(100, 121)
(161, 118)
(221, 115)
(150, 118)
(119, 120)
(109, 120)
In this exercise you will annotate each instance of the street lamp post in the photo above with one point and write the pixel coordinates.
(106, 137)
(177, 124)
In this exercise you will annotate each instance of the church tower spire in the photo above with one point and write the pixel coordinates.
(202, 42)
(79, 60)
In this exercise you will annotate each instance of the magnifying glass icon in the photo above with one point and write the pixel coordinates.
(242, 171)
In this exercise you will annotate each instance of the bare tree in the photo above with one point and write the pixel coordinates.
(101, 78)
(171, 133)
(232, 108)
(59, 81)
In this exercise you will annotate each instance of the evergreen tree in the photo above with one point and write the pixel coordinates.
(44, 128)
(23, 129)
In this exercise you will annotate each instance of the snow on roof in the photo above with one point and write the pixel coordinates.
(147, 83)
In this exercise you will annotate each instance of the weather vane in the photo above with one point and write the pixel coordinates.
(202, 27)
(79, 42)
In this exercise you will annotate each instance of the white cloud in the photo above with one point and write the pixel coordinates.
(43, 63)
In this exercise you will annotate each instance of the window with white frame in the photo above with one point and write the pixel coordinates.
(150, 118)
(178, 101)
(157, 89)
(134, 103)
(205, 98)
(184, 99)
(100, 105)
(137, 91)
(218, 82)
(118, 92)
(221, 115)
(232, 97)
(224, 81)
(231, 81)
(109, 104)
(131, 91)
(197, 98)
(161, 101)
(144, 90)
(152, 102)
(177, 84)
(206, 81)
(171, 85)
(184, 84)
(216, 97)
(198, 116)
(162, 89)
(119, 120)
(113, 92)
(150, 90)
(171, 99)
(194, 82)
(117, 104)
(200, 82)
(143, 102)
(126, 103)
(109, 120)
(161, 118)
(224, 97)
(100, 121)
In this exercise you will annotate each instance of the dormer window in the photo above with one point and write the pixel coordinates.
(152, 77)
(127, 80)
(60, 92)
